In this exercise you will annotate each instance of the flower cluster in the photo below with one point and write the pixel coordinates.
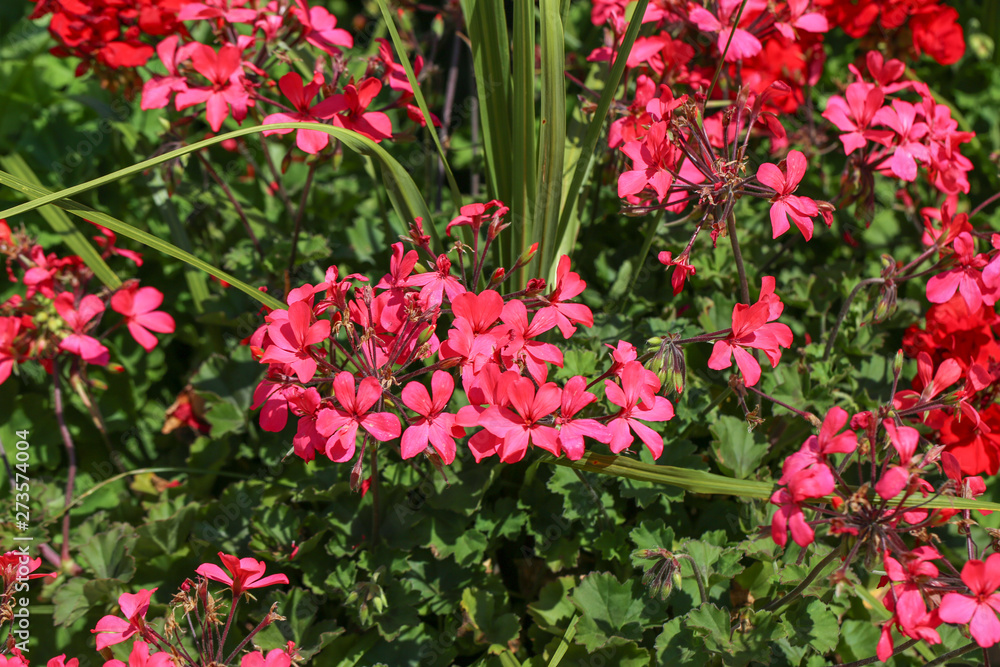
(924, 589)
(59, 314)
(339, 351)
(152, 647)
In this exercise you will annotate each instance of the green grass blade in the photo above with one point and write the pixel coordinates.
(456, 195)
(552, 138)
(700, 481)
(568, 220)
(566, 642)
(62, 225)
(403, 192)
(124, 229)
(487, 28)
(522, 201)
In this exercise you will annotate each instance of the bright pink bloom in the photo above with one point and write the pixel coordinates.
(275, 658)
(789, 516)
(980, 608)
(138, 305)
(293, 338)
(9, 328)
(434, 425)
(909, 577)
(633, 397)
(815, 450)
(575, 397)
(340, 424)
(901, 118)
(654, 160)
(523, 424)
(896, 478)
(217, 9)
(246, 573)
(140, 657)
(801, 19)
(435, 284)
(61, 661)
(79, 343)
(682, 269)
(743, 44)
(568, 285)
(855, 114)
(321, 28)
(519, 346)
(349, 110)
(751, 329)
(222, 70)
(975, 277)
(400, 267)
(156, 92)
(112, 630)
(12, 560)
(784, 204)
(301, 97)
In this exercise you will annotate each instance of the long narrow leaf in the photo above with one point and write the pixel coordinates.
(456, 195)
(522, 203)
(124, 229)
(403, 192)
(565, 232)
(62, 225)
(552, 138)
(491, 62)
(700, 481)
(197, 284)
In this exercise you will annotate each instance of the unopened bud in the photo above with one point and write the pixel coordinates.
(425, 335)
(654, 341)
(535, 286)
(526, 257)
(498, 277)
(286, 162)
(897, 363)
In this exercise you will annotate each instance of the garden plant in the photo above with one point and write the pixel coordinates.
(529, 333)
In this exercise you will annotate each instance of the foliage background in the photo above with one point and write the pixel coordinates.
(485, 559)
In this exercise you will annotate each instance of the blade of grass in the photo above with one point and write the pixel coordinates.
(456, 195)
(522, 204)
(403, 192)
(700, 481)
(552, 138)
(487, 28)
(124, 229)
(564, 645)
(62, 225)
(568, 220)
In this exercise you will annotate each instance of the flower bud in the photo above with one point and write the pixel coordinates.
(897, 363)
(498, 277)
(526, 257)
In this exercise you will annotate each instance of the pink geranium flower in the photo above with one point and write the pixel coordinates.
(568, 286)
(79, 343)
(637, 406)
(349, 110)
(434, 425)
(301, 97)
(784, 204)
(225, 91)
(340, 424)
(293, 338)
(244, 574)
(9, 328)
(979, 608)
(572, 430)
(138, 305)
(112, 630)
(753, 327)
(140, 657)
(274, 658)
(523, 424)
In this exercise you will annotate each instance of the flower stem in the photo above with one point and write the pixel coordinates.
(697, 576)
(70, 453)
(795, 592)
(744, 286)
(225, 633)
(843, 313)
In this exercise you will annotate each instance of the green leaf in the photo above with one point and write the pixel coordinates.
(60, 222)
(735, 450)
(522, 196)
(107, 554)
(815, 624)
(124, 229)
(489, 623)
(487, 28)
(712, 622)
(552, 138)
(608, 609)
(418, 95)
(553, 606)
